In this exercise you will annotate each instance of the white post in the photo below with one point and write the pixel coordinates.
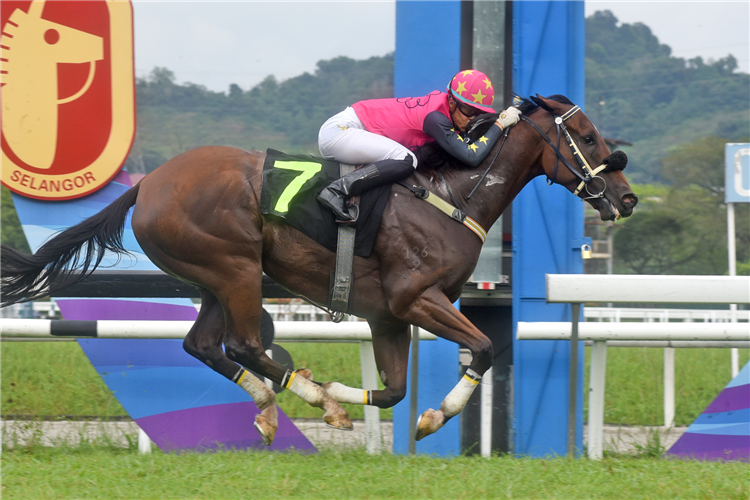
(596, 399)
(268, 381)
(669, 387)
(369, 383)
(144, 442)
(732, 272)
(486, 414)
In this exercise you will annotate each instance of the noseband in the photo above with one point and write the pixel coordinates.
(588, 174)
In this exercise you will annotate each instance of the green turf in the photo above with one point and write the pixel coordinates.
(634, 383)
(106, 472)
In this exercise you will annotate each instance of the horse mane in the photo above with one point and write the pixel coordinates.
(431, 157)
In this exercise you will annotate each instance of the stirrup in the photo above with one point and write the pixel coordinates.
(352, 208)
(327, 197)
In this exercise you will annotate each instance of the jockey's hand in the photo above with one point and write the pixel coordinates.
(508, 118)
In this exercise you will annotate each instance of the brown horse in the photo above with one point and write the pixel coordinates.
(197, 217)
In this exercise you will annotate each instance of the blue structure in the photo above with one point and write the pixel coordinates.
(548, 58)
(428, 54)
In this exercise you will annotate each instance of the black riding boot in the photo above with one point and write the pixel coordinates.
(383, 172)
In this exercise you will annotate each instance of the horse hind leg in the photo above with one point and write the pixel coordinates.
(204, 341)
(243, 310)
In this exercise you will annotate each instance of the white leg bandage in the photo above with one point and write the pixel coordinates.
(455, 401)
(312, 393)
(344, 394)
(258, 390)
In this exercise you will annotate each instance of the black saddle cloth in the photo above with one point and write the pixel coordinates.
(291, 184)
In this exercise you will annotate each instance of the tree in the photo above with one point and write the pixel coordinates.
(655, 100)
(11, 233)
(684, 229)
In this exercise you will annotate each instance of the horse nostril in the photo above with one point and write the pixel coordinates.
(630, 200)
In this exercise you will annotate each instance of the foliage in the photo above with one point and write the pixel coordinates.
(282, 115)
(682, 229)
(638, 92)
(10, 227)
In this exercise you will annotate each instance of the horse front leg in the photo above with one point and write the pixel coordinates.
(390, 341)
(434, 312)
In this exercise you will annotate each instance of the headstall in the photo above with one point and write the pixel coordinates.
(588, 174)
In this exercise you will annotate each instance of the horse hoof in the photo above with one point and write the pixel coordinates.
(340, 421)
(266, 429)
(306, 373)
(428, 423)
(348, 429)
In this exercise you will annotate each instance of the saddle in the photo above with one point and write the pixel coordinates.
(290, 186)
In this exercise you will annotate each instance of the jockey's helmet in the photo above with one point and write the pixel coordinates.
(474, 88)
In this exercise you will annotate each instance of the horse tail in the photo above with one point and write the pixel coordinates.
(78, 248)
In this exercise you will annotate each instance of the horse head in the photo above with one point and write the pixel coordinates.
(579, 159)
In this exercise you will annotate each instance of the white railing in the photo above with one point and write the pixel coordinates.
(654, 314)
(575, 289)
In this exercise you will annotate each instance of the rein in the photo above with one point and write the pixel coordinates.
(505, 136)
(588, 174)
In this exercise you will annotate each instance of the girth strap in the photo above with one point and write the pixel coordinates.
(343, 276)
(454, 213)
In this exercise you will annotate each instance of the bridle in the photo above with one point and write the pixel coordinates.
(586, 177)
(589, 173)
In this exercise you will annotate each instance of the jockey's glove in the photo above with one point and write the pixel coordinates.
(508, 118)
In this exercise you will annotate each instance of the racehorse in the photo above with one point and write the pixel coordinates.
(197, 217)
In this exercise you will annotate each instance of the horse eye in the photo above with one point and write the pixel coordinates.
(589, 139)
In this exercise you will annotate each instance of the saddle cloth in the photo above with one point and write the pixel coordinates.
(290, 186)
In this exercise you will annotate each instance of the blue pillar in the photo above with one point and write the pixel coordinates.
(548, 58)
(428, 53)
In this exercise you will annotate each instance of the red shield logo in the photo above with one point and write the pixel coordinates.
(68, 95)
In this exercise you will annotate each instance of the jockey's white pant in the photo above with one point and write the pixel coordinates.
(343, 138)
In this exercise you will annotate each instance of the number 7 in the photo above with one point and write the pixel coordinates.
(306, 169)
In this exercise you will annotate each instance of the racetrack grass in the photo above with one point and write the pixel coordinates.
(55, 379)
(634, 383)
(108, 472)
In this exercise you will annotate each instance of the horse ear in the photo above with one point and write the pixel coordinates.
(551, 105)
(545, 104)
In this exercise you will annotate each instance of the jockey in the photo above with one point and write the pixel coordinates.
(381, 133)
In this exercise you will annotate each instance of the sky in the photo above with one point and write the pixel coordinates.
(217, 43)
